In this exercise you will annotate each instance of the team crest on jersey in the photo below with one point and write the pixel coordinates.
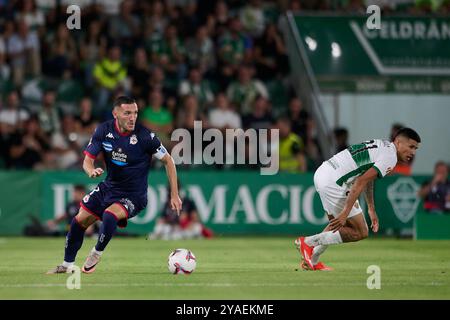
(133, 139)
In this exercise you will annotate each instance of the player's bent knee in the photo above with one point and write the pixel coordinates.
(84, 219)
(119, 213)
(364, 234)
(84, 222)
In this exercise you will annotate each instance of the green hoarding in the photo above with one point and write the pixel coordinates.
(406, 54)
(239, 203)
(20, 197)
(227, 202)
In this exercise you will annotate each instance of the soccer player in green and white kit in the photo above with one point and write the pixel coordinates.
(339, 182)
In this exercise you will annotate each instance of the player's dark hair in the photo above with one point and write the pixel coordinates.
(408, 133)
(123, 100)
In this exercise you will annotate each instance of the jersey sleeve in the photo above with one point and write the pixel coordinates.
(385, 163)
(155, 147)
(94, 146)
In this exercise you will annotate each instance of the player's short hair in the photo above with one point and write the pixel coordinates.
(123, 100)
(408, 133)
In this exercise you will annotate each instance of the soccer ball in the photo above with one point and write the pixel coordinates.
(181, 261)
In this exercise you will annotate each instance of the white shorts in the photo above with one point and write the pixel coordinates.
(332, 195)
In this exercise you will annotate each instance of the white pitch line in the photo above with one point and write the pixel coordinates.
(353, 284)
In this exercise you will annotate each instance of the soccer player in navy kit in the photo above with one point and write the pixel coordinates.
(128, 148)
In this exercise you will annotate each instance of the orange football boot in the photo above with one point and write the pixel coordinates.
(305, 250)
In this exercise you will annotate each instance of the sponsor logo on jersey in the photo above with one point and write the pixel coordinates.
(119, 158)
(107, 146)
(133, 139)
(110, 135)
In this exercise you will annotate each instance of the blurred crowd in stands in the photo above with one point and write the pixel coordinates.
(222, 62)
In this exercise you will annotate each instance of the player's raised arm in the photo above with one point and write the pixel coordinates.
(359, 185)
(171, 170)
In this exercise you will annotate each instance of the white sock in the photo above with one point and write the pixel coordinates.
(317, 251)
(68, 264)
(324, 238)
(97, 252)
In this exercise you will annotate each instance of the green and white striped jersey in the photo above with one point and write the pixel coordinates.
(358, 158)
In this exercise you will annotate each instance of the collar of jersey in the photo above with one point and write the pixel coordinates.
(116, 127)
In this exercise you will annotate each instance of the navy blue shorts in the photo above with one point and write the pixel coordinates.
(102, 197)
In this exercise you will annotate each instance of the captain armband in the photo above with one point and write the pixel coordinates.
(160, 152)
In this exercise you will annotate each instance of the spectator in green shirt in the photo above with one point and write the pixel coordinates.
(170, 53)
(156, 117)
(244, 91)
(234, 48)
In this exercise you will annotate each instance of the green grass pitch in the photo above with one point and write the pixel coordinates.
(228, 268)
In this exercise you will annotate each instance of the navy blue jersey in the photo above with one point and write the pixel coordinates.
(127, 156)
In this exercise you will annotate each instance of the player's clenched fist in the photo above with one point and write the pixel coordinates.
(97, 172)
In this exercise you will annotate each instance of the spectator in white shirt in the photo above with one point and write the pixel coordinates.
(198, 87)
(252, 18)
(12, 116)
(33, 17)
(223, 117)
(24, 53)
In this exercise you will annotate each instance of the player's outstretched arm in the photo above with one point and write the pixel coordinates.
(368, 193)
(171, 170)
(90, 169)
(359, 185)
